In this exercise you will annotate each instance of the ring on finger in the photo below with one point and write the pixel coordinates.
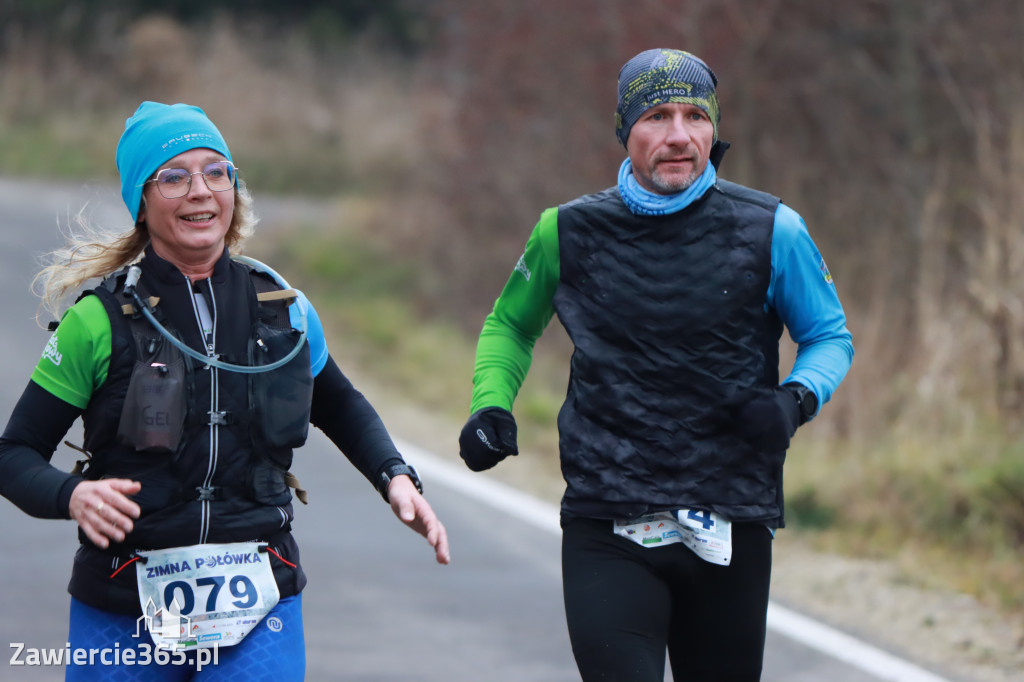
(99, 507)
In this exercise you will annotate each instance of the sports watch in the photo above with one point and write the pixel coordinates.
(806, 400)
(397, 470)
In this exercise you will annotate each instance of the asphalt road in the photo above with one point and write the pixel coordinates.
(377, 606)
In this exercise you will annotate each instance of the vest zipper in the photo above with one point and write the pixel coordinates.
(209, 339)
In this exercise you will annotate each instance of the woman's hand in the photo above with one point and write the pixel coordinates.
(415, 512)
(103, 510)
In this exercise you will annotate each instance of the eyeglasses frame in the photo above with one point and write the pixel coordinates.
(188, 185)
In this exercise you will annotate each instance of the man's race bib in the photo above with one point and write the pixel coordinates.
(204, 595)
(706, 533)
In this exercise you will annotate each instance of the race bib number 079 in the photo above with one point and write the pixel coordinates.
(205, 595)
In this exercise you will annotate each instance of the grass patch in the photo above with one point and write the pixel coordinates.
(805, 510)
(368, 301)
(84, 149)
(310, 171)
(61, 150)
(949, 506)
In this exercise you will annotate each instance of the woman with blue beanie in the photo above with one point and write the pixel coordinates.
(196, 372)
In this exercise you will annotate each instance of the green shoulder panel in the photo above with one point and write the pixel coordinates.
(77, 356)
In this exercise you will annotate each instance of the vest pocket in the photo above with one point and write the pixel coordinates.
(267, 484)
(153, 416)
(282, 397)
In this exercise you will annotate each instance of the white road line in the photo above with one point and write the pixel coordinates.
(841, 646)
(480, 487)
(544, 516)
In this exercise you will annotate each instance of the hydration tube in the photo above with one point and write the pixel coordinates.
(135, 272)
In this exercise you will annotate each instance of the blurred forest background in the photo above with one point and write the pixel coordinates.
(440, 129)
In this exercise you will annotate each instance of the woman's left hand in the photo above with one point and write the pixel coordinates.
(413, 509)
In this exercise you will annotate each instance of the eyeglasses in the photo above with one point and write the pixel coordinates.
(219, 176)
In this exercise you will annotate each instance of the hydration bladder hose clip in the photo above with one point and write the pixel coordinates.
(131, 281)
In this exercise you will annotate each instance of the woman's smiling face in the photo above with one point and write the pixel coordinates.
(189, 229)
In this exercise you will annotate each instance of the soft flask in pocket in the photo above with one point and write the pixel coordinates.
(283, 396)
(153, 415)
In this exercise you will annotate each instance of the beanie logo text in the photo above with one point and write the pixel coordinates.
(188, 139)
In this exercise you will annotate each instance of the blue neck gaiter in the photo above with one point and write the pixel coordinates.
(643, 202)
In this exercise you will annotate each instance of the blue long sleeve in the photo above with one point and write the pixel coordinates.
(802, 293)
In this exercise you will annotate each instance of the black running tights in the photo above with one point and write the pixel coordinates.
(626, 605)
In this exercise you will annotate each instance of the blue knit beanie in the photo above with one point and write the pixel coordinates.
(658, 76)
(158, 132)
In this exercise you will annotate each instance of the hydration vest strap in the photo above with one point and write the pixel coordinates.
(81, 464)
(223, 492)
(292, 481)
(222, 418)
(206, 493)
(130, 309)
(277, 295)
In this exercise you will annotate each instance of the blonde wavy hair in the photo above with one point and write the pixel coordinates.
(91, 252)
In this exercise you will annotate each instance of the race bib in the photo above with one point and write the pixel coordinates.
(706, 533)
(204, 595)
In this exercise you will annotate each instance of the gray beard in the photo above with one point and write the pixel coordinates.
(662, 186)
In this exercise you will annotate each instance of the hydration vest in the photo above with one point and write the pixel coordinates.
(191, 432)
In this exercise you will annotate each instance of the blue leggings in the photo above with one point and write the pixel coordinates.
(274, 651)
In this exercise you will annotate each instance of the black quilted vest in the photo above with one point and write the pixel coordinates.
(667, 316)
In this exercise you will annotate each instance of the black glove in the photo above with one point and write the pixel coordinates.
(488, 437)
(766, 418)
